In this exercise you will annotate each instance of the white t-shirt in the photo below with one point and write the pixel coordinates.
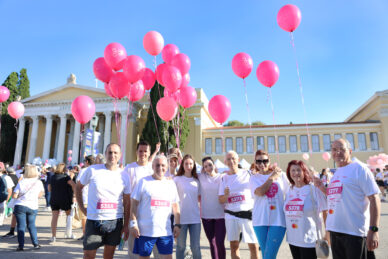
(29, 189)
(156, 198)
(240, 196)
(380, 176)
(137, 172)
(347, 199)
(210, 206)
(9, 181)
(188, 191)
(302, 216)
(85, 190)
(106, 189)
(168, 174)
(268, 209)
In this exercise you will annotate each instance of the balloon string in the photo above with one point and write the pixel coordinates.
(82, 129)
(178, 140)
(301, 92)
(117, 120)
(153, 114)
(249, 112)
(155, 75)
(274, 124)
(16, 124)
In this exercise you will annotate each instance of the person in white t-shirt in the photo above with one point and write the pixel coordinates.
(187, 185)
(152, 201)
(136, 171)
(352, 190)
(269, 186)
(235, 193)
(212, 212)
(302, 206)
(108, 199)
(380, 182)
(26, 195)
(173, 162)
(10, 185)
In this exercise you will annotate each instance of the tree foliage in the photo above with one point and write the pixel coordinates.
(237, 123)
(165, 130)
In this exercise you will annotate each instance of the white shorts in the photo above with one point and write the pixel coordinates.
(236, 226)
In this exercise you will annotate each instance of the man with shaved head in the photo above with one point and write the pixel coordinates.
(352, 190)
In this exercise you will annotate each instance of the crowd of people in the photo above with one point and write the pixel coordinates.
(160, 199)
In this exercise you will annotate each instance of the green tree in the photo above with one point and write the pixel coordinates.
(8, 131)
(234, 123)
(257, 123)
(163, 130)
(24, 84)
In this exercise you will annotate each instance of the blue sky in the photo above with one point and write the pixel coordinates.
(342, 48)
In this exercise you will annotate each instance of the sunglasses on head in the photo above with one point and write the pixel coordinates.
(264, 161)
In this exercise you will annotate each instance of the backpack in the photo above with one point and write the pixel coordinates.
(3, 189)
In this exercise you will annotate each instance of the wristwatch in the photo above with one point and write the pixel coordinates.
(373, 228)
(178, 225)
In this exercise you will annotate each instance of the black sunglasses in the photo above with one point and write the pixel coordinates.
(265, 161)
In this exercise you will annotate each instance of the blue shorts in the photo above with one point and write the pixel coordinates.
(143, 245)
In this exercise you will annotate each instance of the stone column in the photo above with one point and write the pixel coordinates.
(108, 124)
(61, 139)
(19, 142)
(47, 138)
(123, 140)
(34, 137)
(71, 135)
(75, 146)
(56, 138)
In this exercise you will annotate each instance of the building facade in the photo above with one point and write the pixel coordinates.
(52, 130)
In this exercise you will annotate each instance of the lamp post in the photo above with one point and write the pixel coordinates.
(93, 126)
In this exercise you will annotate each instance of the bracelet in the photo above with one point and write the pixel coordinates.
(178, 225)
(133, 223)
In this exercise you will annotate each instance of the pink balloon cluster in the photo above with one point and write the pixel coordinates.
(377, 161)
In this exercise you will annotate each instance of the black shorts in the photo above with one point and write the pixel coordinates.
(60, 206)
(380, 183)
(102, 232)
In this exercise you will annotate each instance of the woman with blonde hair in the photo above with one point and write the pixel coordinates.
(26, 195)
(62, 189)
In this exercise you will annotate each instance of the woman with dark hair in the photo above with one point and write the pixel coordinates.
(325, 176)
(303, 204)
(62, 189)
(212, 212)
(268, 185)
(187, 184)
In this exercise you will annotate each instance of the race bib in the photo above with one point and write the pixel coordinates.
(334, 194)
(160, 203)
(236, 198)
(106, 205)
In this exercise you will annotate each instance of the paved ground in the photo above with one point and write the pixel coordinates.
(65, 248)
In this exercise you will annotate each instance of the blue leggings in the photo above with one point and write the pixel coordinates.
(270, 238)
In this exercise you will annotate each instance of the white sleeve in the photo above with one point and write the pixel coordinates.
(9, 182)
(127, 183)
(367, 182)
(252, 185)
(85, 177)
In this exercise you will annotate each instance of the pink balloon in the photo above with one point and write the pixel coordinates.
(134, 68)
(101, 70)
(326, 156)
(182, 62)
(70, 152)
(115, 55)
(4, 94)
(187, 96)
(380, 161)
(15, 110)
(119, 85)
(148, 79)
(220, 108)
(306, 156)
(136, 91)
(69, 158)
(167, 108)
(172, 78)
(83, 108)
(153, 42)
(168, 52)
(185, 80)
(159, 73)
(289, 17)
(81, 164)
(267, 73)
(107, 90)
(242, 65)
(174, 95)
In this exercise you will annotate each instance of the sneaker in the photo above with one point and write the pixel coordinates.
(81, 238)
(53, 240)
(72, 236)
(19, 249)
(9, 235)
(36, 247)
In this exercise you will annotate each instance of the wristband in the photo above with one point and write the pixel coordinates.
(178, 225)
(133, 223)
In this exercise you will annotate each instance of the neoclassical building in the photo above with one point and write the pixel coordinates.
(52, 130)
